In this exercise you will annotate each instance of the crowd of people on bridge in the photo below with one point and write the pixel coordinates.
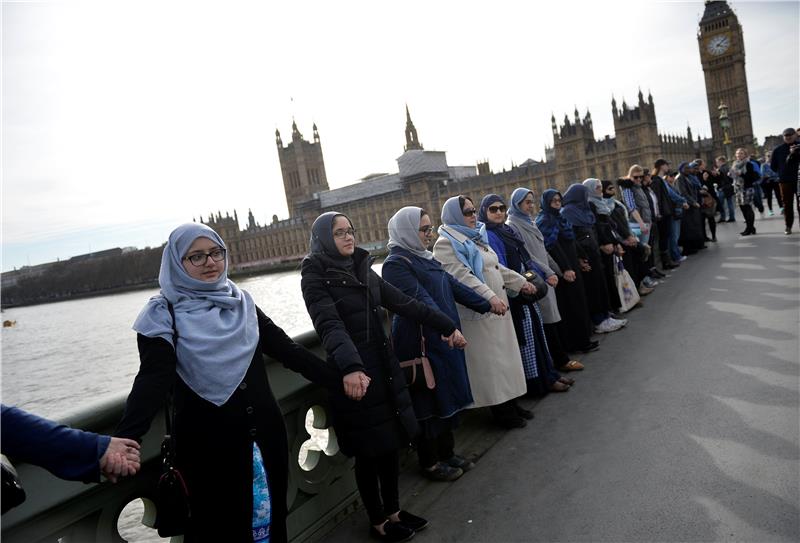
(495, 309)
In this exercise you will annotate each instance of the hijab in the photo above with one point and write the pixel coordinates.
(502, 230)
(550, 221)
(516, 198)
(521, 221)
(575, 206)
(216, 321)
(322, 241)
(404, 232)
(603, 206)
(466, 252)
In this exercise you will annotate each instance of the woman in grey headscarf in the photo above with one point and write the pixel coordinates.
(411, 268)
(205, 337)
(373, 417)
(520, 221)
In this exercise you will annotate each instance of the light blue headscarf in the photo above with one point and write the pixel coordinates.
(216, 322)
(516, 197)
(467, 252)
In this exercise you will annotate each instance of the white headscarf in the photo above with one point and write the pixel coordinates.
(404, 232)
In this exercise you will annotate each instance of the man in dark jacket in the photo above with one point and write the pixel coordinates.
(785, 162)
(725, 190)
(665, 205)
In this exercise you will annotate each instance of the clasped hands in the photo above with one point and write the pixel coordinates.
(121, 459)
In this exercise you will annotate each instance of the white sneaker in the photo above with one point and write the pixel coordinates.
(649, 283)
(605, 327)
(618, 322)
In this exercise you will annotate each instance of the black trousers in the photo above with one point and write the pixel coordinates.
(430, 451)
(557, 351)
(712, 226)
(749, 216)
(769, 189)
(377, 481)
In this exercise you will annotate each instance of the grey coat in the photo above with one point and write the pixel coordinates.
(534, 243)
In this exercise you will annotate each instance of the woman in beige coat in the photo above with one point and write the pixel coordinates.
(493, 358)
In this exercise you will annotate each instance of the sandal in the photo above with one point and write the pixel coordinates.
(572, 365)
(569, 381)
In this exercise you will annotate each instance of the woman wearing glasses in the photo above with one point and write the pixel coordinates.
(411, 268)
(203, 338)
(494, 364)
(373, 415)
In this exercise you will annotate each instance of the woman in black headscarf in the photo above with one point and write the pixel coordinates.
(372, 412)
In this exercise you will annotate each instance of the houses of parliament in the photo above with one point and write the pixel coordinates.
(425, 179)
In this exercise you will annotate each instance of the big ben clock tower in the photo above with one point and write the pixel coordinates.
(722, 55)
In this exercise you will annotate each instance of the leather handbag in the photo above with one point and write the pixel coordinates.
(12, 492)
(172, 494)
(423, 361)
(537, 281)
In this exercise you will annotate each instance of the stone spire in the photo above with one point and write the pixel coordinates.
(412, 141)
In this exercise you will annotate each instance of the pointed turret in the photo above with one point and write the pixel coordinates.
(316, 133)
(553, 125)
(278, 140)
(641, 96)
(412, 141)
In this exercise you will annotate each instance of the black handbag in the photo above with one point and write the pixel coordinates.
(12, 492)
(172, 495)
(541, 287)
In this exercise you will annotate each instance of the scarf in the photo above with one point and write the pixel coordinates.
(503, 231)
(322, 241)
(575, 206)
(216, 322)
(466, 252)
(602, 206)
(404, 232)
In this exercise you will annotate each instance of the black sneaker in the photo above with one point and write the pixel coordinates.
(394, 532)
(460, 462)
(511, 422)
(592, 346)
(522, 412)
(443, 472)
(412, 521)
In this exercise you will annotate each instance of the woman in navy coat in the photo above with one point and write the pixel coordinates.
(412, 269)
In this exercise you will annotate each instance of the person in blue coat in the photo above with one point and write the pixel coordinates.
(65, 452)
(411, 268)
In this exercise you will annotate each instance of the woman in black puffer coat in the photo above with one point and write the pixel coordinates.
(372, 413)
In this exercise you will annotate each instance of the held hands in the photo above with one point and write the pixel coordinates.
(685, 205)
(552, 280)
(569, 276)
(585, 267)
(355, 385)
(528, 289)
(122, 458)
(608, 248)
(498, 307)
(455, 340)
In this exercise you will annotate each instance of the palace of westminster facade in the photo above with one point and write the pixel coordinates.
(425, 179)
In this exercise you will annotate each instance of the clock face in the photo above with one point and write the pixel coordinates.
(718, 44)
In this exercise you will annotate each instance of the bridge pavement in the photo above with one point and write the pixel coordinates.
(684, 426)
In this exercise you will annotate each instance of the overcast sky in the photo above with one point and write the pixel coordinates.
(121, 120)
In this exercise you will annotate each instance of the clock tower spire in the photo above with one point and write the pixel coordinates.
(722, 55)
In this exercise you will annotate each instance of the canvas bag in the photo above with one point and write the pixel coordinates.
(628, 295)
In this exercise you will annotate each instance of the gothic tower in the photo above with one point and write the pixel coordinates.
(412, 141)
(302, 168)
(722, 55)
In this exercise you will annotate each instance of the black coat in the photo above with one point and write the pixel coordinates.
(214, 444)
(345, 309)
(659, 187)
(784, 163)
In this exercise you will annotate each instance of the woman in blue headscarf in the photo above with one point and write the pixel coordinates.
(511, 252)
(576, 210)
(493, 357)
(559, 240)
(205, 339)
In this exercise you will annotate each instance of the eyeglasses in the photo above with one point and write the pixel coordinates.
(200, 259)
(426, 229)
(497, 209)
(469, 212)
(555, 199)
(343, 233)
(637, 177)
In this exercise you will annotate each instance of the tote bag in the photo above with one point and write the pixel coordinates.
(628, 295)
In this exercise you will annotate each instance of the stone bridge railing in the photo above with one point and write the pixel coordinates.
(320, 491)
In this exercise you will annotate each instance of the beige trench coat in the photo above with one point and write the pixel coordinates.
(494, 363)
